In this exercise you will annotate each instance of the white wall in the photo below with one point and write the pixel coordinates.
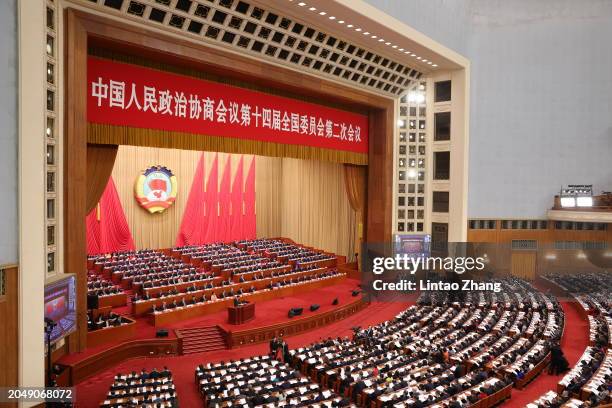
(8, 132)
(541, 95)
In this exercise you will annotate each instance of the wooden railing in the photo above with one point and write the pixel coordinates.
(247, 337)
(103, 360)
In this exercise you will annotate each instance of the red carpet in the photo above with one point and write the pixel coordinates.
(93, 390)
(575, 339)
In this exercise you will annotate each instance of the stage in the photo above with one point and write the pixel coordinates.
(267, 313)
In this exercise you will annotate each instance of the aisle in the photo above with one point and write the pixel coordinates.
(575, 339)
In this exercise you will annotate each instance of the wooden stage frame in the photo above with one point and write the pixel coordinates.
(83, 30)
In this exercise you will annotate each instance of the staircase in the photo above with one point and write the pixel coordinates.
(202, 339)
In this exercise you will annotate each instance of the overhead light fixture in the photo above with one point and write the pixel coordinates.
(387, 43)
(332, 17)
(312, 8)
(340, 21)
(322, 13)
(434, 65)
(374, 36)
(358, 29)
(366, 33)
(302, 4)
(568, 202)
(577, 195)
(349, 25)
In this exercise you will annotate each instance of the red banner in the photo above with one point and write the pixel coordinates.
(135, 96)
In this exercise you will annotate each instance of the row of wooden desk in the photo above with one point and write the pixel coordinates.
(112, 333)
(210, 307)
(144, 306)
(118, 299)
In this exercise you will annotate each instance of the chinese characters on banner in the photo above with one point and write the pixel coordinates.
(134, 96)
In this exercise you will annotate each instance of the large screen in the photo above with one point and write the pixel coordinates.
(415, 246)
(60, 306)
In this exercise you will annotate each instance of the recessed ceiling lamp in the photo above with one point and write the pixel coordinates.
(312, 8)
(358, 29)
(301, 4)
(332, 17)
(322, 13)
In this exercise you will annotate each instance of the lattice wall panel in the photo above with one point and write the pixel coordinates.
(251, 29)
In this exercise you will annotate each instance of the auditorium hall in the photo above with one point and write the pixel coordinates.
(306, 203)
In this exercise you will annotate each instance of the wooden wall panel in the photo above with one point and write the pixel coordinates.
(524, 264)
(544, 237)
(9, 329)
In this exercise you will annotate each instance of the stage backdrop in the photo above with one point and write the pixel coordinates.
(299, 199)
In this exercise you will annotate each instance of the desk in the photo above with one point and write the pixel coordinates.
(262, 294)
(241, 314)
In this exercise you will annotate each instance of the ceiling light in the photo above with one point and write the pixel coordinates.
(387, 43)
(358, 29)
(301, 4)
(366, 33)
(322, 13)
(349, 25)
(374, 36)
(312, 8)
(434, 65)
(424, 60)
(380, 40)
(332, 17)
(413, 55)
(395, 46)
(340, 21)
(430, 62)
(401, 49)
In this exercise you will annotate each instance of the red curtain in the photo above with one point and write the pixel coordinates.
(249, 227)
(225, 196)
(194, 222)
(211, 203)
(236, 203)
(107, 228)
(225, 211)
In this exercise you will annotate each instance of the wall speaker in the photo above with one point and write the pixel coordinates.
(314, 307)
(335, 302)
(161, 333)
